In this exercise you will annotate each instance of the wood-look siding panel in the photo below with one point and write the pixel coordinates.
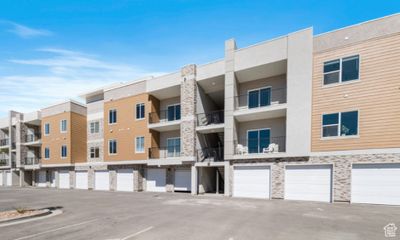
(128, 127)
(376, 95)
(78, 136)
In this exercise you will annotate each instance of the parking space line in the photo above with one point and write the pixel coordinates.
(56, 229)
(137, 233)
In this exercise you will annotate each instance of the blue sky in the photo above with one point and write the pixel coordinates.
(54, 50)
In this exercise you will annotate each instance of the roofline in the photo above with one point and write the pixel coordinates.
(63, 102)
(358, 24)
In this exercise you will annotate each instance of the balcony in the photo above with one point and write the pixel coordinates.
(4, 161)
(210, 122)
(269, 146)
(210, 154)
(165, 120)
(260, 104)
(165, 152)
(33, 140)
(4, 142)
(31, 161)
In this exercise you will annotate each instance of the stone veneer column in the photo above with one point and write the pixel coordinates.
(230, 134)
(188, 110)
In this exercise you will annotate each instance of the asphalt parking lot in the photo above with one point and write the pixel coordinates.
(118, 215)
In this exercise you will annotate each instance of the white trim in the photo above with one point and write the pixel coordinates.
(95, 116)
(90, 126)
(257, 129)
(45, 153)
(180, 112)
(46, 134)
(108, 147)
(358, 152)
(61, 126)
(109, 110)
(144, 112)
(339, 126)
(340, 82)
(136, 138)
(66, 151)
(90, 152)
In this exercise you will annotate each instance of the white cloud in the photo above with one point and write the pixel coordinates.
(65, 75)
(26, 32)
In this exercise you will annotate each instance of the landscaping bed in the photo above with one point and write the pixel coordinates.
(21, 214)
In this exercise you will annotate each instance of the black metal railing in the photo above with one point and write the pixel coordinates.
(164, 152)
(31, 161)
(210, 154)
(4, 142)
(214, 117)
(32, 137)
(262, 99)
(164, 116)
(13, 145)
(260, 145)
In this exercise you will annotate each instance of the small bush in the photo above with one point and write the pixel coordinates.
(21, 210)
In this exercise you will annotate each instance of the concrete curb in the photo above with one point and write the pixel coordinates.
(45, 215)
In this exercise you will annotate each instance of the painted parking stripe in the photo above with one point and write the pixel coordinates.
(56, 229)
(137, 233)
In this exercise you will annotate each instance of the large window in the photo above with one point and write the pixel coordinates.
(341, 70)
(112, 116)
(63, 126)
(46, 153)
(63, 151)
(140, 111)
(258, 139)
(95, 127)
(139, 145)
(174, 112)
(340, 124)
(174, 147)
(112, 147)
(46, 128)
(94, 152)
(259, 98)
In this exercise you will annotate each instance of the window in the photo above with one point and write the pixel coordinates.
(258, 139)
(47, 129)
(94, 127)
(341, 70)
(340, 124)
(140, 111)
(259, 98)
(46, 153)
(112, 147)
(174, 147)
(63, 151)
(139, 145)
(94, 152)
(63, 126)
(174, 112)
(112, 116)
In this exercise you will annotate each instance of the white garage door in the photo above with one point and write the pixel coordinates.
(310, 183)
(125, 180)
(53, 179)
(251, 181)
(183, 180)
(42, 180)
(1, 178)
(81, 180)
(8, 178)
(155, 181)
(376, 183)
(102, 180)
(63, 177)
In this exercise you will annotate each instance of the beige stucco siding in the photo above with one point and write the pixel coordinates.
(376, 96)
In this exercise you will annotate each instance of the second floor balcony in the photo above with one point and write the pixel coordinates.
(30, 138)
(260, 145)
(166, 120)
(4, 161)
(28, 161)
(4, 142)
(211, 122)
(165, 152)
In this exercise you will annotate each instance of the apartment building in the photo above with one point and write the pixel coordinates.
(298, 117)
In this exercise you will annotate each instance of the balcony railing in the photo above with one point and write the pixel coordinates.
(167, 115)
(4, 161)
(215, 117)
(210, 154)
(261, 98)
(4, 142)
(32, 137)
(260, 145)
(164, 152)
(13, 145)
(31, 161)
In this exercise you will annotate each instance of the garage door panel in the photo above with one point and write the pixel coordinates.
(376, 184)
(1, 179)
(42, 181)
(156, 180)
(102, 180)
(183, 180)
(64, 179)
(125, 180)
(251, 181)
(81, 178)
(308, 183)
